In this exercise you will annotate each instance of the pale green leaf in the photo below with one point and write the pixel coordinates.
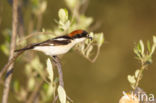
(153, 49)
(84, 22)
(63, 15)
(89, 51)
(137, 73)
(131, 79)
(23, 93)
(153, 46)
(16, 86)
(31, 83)
(37, 65)
(50, 70)
(142, 47)
(50, 90)
(28, 69)
(4, 49)
(148, 46)
(99, 39)
(137, 52)
(61, 94)
(71, 3)
(154, 39)
(43, 6)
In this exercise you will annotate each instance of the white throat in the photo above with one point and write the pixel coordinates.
(78, 40)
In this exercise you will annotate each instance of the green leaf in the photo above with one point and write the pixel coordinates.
(50, 70)
(131, 79)
(137, 73)
(72, 3)
(43, 6)
(4, 49)
(16, 86)
(50, 90)
(85, 22)
(153, 46)
(137, 52)
(31, 83)
(28, 69)
(63, 15)
(89, 51)
(154, 39)
(7, 35)
(141, 47)
(148, 46)
(61, 94)
(45, 86)
(153, 49)
(36, 64)
(99, 38)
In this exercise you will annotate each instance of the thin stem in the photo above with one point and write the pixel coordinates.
(59, 69)
(34, 34)
(55, 99)
(12, 48)
(143, 66)
(97, 54)
(39, 21)
(60, 73)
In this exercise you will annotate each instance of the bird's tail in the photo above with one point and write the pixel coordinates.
(24, 49)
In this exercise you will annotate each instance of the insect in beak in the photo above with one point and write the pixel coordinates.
(89, 37)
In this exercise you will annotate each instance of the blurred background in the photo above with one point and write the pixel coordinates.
(124, 23)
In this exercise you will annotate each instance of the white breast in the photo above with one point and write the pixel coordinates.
(54, 50)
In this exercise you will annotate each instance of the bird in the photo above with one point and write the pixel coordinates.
(58, 45)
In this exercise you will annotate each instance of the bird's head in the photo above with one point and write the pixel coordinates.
(79, 35)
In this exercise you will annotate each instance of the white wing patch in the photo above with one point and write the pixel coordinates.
(60, 39)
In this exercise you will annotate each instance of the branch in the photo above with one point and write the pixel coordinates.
(12, 48)
(143, 67)
(60, 74)
(59, 69)
(34, 34)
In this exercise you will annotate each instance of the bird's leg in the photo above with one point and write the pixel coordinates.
(55, 59)
(59, 69)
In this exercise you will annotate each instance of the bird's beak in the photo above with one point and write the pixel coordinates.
(89, 37)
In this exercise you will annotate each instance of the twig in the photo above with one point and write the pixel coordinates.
(11, 61)
(97, 54)
(59, 69)
(20, 31)
(39, 22)
(60, 74)
(35, 92)
(92, 60)
(143, 66)
(55, 99)
(33, 34)
(84, 6)
(12, 48)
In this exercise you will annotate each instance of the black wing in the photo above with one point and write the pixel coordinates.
(62, 40)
